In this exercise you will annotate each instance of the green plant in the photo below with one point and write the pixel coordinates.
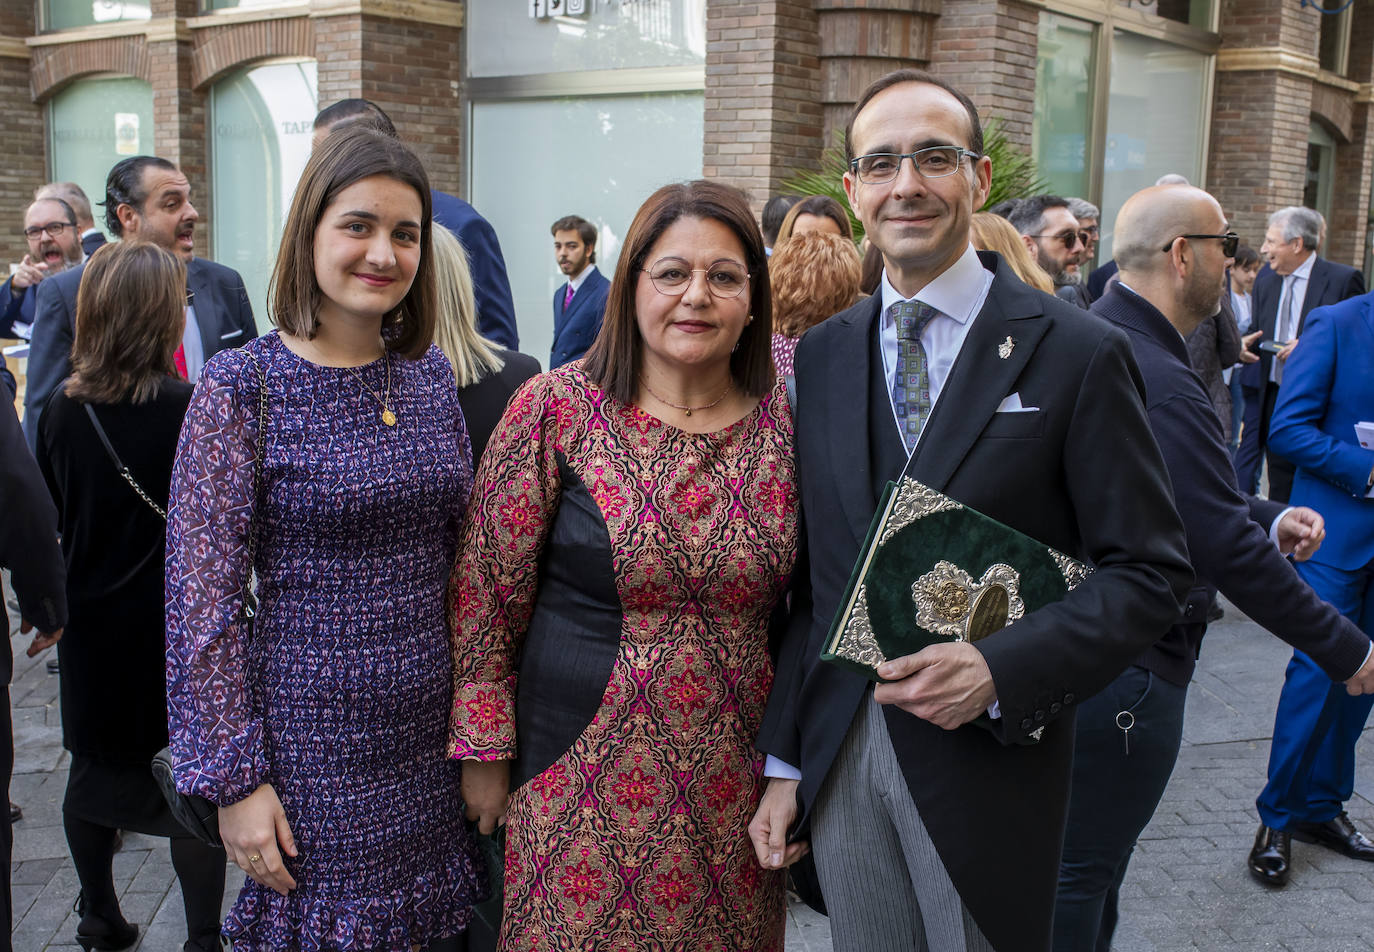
(1014, 174)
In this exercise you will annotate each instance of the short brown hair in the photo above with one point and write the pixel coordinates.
(814, 275)
(351, 153)
(130, 315)
(585, 230)
(896, 78)
(614, 360)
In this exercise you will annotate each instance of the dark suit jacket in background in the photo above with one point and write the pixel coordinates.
(91, 242)
(1097, 281)
(16, 307)
(222, 311)
(1213, 346)
(1081, 473)
(575, 329)
(1228, 533)
(495, 307)
(484, 402)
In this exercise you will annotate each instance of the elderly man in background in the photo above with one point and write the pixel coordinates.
(1172, 245)
(1296, 281)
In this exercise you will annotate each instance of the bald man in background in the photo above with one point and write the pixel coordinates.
(1170, 245)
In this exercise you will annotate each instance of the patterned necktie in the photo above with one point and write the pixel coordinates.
(911, 382)
(1283, 324)
(567, 297)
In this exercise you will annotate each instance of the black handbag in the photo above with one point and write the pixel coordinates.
(198, 815)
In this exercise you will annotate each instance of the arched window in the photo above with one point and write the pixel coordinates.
(260, 120)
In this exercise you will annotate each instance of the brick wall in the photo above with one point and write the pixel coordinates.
(987, 48)
(24, 168)
(1346, 231)
(762, 112)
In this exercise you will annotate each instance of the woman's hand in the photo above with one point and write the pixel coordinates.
(486, 790)
(251, 830)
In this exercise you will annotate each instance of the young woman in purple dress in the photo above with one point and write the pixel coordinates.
(320, 732)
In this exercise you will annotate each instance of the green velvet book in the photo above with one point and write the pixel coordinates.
(933, 570)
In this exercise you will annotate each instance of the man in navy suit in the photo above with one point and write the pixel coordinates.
(149, 199)
(73, 194)
(490, 285)
(51, 231)
(578, 304)
(1327, 390)
(1171, 243)
(1296, 281)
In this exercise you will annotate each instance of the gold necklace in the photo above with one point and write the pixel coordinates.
(388, 417)
(685, 409)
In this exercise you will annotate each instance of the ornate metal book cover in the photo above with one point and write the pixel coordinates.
(933, 570)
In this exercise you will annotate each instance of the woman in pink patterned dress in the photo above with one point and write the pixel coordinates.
(632, 529)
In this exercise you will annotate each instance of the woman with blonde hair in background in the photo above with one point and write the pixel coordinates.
(814, 275)
(487, 374)
(994, 233)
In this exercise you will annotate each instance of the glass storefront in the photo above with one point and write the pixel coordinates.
(578, 107)
(260, 124)
(1063, 103)
(65, 14)
(234, 4)
(94, 123)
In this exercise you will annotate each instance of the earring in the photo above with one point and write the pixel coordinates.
(749, 319)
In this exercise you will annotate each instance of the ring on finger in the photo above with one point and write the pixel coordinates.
(255, 858)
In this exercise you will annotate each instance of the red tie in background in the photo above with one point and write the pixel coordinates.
(180, 358)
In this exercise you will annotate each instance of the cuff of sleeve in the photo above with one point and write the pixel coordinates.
(1365, 661)
(482, 724)
(995, 710)
(1274, 526)
(779, 769)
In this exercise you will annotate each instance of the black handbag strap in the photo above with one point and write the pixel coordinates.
(119, 464)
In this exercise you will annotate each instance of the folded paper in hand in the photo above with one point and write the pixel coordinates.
(933, 570)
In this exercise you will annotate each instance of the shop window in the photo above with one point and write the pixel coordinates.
(94, 123)
(1195, 13)
(1333, 45)
(65, 14)
(534, 161)
(234, 4)
(1321, 161)
(260, 125)
(546, 36)
(1063, 103)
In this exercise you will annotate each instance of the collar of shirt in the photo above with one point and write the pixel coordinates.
(578, 281)
(1303, 271)
(958, 293)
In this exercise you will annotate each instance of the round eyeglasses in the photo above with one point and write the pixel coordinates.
(725, 279)
(879, 168)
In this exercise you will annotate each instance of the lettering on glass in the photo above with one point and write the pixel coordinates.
(126, 133)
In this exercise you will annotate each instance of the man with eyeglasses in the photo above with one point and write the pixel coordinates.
(929, 831)
(1296, 280)
(54, 246)
(1055, 239)
(1171, 244)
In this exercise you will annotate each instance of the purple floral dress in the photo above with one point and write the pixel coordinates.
(340, 697)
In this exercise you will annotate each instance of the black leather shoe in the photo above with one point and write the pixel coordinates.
(1269, 857)
(52, 666)
(1338, 834)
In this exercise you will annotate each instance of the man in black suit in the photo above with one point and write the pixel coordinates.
(929, 831)
(1171, 245)
(28, 548)
(149, 199)
(1295, 281)
(75, 196)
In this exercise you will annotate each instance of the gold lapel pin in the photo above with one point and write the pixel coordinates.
(1004, 348)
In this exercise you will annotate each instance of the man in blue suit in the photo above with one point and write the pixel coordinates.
(1295, 281)
(51, 231)
(490, 285)
(578, 304)
(1327, 390)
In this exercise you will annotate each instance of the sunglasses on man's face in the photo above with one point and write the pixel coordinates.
(1071, 239)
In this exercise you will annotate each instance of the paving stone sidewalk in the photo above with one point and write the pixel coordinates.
(1187, 887)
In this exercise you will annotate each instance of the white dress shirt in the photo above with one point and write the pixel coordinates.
(1295, 285)
(191, 347)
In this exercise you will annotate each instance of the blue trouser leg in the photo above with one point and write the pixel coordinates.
(1113, 795)
(1250, 452)
(1312, 757)
(1237, 410)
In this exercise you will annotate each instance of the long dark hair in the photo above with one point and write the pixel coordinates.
(613, 362)
(352, 153)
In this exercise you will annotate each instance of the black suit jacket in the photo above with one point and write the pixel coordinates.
(28, 537)
(91, 242)
(1230, 549)
(1082, 474)
(222, 311)
(1329, 283)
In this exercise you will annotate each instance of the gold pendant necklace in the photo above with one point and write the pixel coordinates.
(685, 409)
(388, 417)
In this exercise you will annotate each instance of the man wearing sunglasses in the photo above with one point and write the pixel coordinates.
(54, 246)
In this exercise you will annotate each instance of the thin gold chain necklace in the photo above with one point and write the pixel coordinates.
(388, 417)
(686, 409)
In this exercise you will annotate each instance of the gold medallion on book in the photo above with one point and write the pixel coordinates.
(934, 570)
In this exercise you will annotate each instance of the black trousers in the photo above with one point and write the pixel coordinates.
(7, 762)
(1118, 780)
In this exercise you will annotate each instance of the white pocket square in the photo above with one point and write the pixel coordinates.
(1012, 404)
(237, 333)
